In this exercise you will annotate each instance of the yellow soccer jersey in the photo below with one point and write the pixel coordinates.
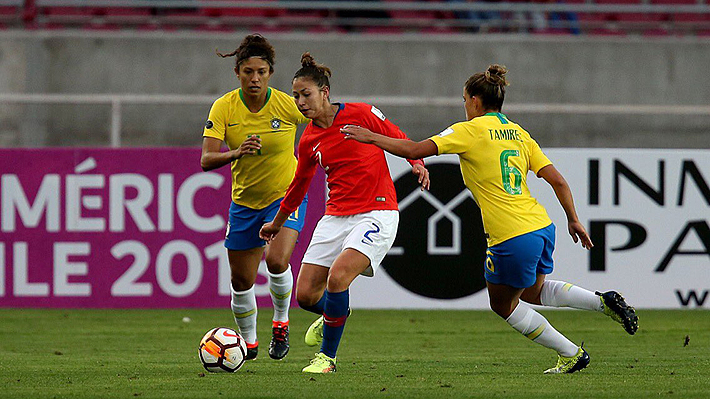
(259, 179)
(496, 155)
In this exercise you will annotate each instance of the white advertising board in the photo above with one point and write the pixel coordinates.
(647, 211)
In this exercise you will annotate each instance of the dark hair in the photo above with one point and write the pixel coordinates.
(318, 73)
(253, 46)
(489, 86)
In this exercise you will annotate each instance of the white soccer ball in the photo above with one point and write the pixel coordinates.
(222, 349)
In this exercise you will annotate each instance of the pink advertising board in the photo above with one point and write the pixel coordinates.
(120, 228)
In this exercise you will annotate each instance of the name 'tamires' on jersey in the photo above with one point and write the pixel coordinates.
(496, 155)
(262, 178)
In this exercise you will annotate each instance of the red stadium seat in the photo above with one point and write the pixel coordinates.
(674, 2)
(617, 1)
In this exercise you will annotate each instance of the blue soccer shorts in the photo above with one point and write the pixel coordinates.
(244, 224)
(517, 262)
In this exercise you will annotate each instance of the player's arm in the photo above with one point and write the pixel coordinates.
(404, 148)
(305, 170)
(213, 158)
(555, 179)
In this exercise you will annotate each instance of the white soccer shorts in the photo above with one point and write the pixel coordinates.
(371, 233)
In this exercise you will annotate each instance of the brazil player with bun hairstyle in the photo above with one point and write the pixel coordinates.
(496, 154)
(258, 124)
(361, 217)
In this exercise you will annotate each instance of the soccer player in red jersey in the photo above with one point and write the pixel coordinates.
(360, 222)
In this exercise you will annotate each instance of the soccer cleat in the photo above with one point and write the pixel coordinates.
(566, 365)
(615, 307)
(252, 350)
(314, 334)
(278, 348)
(321, 364)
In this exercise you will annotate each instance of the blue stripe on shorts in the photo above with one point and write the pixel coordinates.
(244, 224)
(517, 262)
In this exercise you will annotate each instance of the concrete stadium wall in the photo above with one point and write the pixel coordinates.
(547, 70)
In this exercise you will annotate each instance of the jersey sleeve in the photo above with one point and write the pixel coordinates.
(305, 170)
(538, 159)
(216, 122)
(454, 140)
(378, 123)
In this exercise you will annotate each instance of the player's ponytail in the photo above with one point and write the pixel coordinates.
(489, 86)
(310, 69)
(253, 46)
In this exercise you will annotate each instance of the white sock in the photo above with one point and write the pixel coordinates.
(536, 327)
(244, 309)
(562, 294)
(280, 287)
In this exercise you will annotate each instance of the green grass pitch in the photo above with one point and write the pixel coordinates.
(384, 353)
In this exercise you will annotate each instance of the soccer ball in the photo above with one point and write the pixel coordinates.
(222, 349)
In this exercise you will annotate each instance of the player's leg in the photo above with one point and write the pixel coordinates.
(369, 236)
(244, 265)
(510, 270)
(310, 293)
(524, 319)
(278, 253)
(325, 246)
(244, 250)
(563, 294)
(310, 287)
(556, 293)
(346, 267)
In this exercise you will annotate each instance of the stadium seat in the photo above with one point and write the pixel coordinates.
(617, 2)
(689, 2)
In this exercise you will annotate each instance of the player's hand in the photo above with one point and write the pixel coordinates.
(250, 146)
(268, 231)
(423, 174)
(358, 133)
(578, 233)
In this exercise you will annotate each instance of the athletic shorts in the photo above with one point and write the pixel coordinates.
(244, 224)
(517, 262)
(371, 233)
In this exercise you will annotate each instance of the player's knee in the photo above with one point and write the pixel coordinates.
(306, 298)
(500, 308)
(241, 284)
(276, 264)
(531, 295)
(338, 280)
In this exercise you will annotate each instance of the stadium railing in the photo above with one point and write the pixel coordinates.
(116, 101)
(565, 17)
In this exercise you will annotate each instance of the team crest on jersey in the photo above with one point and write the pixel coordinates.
(275, 123)
(209, 124)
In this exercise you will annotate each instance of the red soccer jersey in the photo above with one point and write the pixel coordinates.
(358, 177)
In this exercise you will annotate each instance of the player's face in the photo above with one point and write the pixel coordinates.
(310, 99)
(253, 74)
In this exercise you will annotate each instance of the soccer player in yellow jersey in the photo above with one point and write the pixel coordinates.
(496, 154)
(258, 124)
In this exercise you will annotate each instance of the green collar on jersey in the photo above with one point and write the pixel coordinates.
(268, 96)
(503, 119)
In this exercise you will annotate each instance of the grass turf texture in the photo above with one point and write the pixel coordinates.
(408, 354)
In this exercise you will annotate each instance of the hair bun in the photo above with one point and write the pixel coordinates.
(307, 60)
(495, 74)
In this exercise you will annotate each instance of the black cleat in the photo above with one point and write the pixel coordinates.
(252, 352)
(616, 307)
(278, 348)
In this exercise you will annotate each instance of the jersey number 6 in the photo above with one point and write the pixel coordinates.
(506, 170)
